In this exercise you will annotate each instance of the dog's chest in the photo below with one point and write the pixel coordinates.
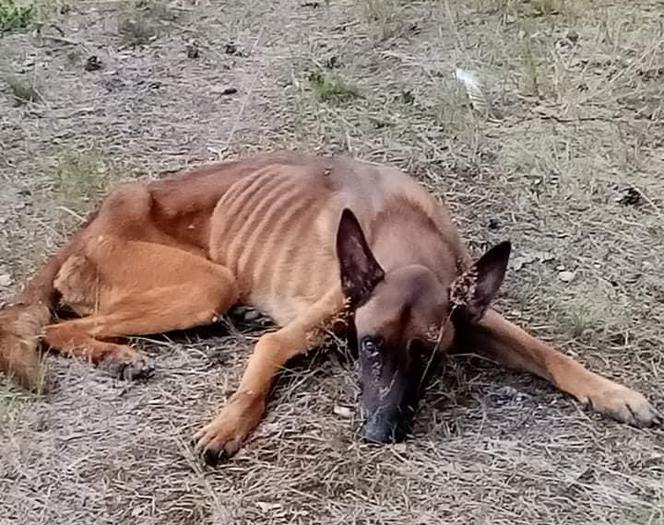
(276, 233)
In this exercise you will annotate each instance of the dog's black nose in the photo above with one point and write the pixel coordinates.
(379, 429)
(380, 435)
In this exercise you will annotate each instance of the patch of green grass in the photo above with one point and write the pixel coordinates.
(23, 90)
(79, 180)
(535, 63)
(594, 317)
(136, 29)
(157, 10)
(139, 25)
(15, 16)
(537, 8)
(579, 320)
(548, 7)
(331, 87)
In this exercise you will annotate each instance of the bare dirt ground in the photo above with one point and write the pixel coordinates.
(568, 165)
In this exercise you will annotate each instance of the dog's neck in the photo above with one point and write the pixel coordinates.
(406, 243)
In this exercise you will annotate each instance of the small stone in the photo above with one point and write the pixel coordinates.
(5, 279)
(566, 276)
(229, 91)
(344, 412)
(230, 49)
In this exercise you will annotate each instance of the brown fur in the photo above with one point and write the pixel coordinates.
(20, 327)
(177, 253)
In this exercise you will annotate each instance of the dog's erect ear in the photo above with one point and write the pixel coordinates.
(472, 292)
(360, 272)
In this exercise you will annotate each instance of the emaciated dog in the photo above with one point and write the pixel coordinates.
(305, 240)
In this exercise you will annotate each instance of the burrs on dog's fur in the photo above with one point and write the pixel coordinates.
(463, 288)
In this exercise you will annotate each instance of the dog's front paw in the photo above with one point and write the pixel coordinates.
(624, 405)
(130, 366)
(224, 436)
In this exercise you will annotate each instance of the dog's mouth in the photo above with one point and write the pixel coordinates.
(387, 425)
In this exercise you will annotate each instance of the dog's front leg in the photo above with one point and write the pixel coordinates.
(518, 349)
(225, 434)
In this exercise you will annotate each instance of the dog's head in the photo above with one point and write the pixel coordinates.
(401, 318)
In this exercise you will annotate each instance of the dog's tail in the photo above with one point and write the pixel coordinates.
(21, 324)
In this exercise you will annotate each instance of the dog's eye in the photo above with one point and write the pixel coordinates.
(371, 345)
(371, 350)
(419, 349)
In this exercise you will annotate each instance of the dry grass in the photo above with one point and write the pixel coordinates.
(569, 165)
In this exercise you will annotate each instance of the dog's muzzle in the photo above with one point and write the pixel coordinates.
(385, 426)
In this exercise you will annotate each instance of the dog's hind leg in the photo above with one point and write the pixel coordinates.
(135, 288)
(225, 434)
(120, 360)
(518, 349)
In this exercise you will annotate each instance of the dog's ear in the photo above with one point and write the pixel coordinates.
(472, 292)
(360, 272)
